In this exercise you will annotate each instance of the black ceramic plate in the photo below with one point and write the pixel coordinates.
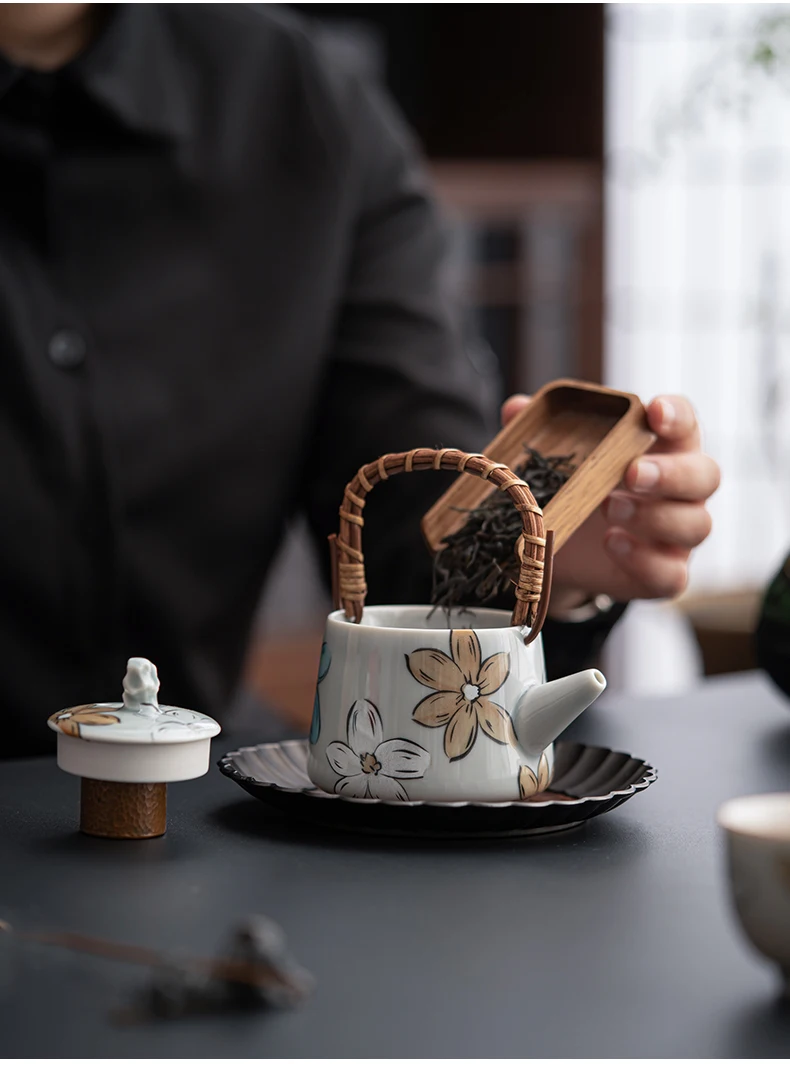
(588, 781)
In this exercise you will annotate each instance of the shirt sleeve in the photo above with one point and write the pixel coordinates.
(403, 373)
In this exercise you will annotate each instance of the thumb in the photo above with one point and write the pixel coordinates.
(513, 406)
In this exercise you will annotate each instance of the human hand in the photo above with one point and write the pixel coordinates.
(637, 544)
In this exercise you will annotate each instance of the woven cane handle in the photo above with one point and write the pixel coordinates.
(532, 587)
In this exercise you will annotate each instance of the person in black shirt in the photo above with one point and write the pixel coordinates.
(221, 291)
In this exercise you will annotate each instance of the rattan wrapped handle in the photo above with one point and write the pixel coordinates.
(534, 545)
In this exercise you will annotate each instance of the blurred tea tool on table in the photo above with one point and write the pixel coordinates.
(126, 753)
(254, 970)
(758, 860)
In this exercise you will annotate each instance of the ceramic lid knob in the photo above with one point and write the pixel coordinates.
(141, 686)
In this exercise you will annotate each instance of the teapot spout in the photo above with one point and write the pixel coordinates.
(544, 711)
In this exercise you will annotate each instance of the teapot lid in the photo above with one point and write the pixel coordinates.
(138, 719)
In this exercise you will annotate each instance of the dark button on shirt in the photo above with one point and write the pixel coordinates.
(225, 241)
(66, 349)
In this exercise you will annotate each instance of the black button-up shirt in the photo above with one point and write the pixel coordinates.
(220, 293)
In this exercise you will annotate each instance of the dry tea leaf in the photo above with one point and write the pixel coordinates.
(478, 562)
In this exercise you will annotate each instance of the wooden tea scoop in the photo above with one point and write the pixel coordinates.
(604, 430)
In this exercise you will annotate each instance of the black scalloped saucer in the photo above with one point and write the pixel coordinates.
(588, 781)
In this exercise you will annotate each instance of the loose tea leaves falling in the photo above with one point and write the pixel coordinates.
(478, 562)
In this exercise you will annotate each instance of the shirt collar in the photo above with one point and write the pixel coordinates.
(135, 70)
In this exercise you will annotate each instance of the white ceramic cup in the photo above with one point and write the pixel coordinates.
(409, 709)
(758, 864)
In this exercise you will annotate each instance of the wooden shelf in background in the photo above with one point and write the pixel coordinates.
(556, 293)
(724, 624)
(494, 191)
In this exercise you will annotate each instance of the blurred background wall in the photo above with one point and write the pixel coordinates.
(697, 285)
(616, 180)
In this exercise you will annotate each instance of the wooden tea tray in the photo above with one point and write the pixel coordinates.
(604, 430)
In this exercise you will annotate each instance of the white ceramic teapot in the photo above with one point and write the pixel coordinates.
(413, 706)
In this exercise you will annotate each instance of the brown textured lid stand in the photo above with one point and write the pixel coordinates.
(122, 810)
(604, 430)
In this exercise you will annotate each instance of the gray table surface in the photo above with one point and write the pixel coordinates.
(611, 940)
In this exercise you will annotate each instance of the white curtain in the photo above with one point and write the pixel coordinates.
(698, 275)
